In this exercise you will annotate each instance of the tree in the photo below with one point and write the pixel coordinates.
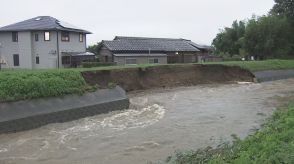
(283, 8)
(230, 40)
(268, 37)
(94, 48)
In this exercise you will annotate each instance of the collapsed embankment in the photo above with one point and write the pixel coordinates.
(28, 114)
(132, 79)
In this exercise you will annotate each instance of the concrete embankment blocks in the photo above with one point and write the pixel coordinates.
(270, 75)
(29, 114)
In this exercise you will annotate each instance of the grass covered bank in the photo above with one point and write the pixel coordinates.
(274, 143)
(260, 65)
(19, 85)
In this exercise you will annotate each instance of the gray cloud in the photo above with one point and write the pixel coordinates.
(198, 20)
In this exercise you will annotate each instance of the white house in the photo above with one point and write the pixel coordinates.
(42, 42)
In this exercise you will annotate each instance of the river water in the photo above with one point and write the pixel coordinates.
(159, 123)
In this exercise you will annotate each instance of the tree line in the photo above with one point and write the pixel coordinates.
(264, 37)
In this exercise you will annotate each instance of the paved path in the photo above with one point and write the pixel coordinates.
(274, 75)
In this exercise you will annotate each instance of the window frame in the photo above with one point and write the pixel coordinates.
(106, 58)
(48, 36)
(14, 36)
(153, 61)
(131, 59)
(36, 37)
(81, 37)
(65, 60)
(37, 59)
(16, 62)
(65, 38)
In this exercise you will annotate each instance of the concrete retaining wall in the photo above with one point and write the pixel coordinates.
(25, 115)
(263, 76)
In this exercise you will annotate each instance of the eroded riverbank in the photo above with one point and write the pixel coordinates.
(160, 122)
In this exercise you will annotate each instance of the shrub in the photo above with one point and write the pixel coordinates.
(19, 85)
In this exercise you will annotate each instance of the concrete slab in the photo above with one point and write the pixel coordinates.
(271, 75)
(28, 114)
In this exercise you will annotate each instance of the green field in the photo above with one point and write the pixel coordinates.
(274, 143)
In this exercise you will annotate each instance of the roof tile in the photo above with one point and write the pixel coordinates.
(150, 44)
(42, 23)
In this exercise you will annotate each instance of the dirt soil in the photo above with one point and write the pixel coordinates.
(167, 76)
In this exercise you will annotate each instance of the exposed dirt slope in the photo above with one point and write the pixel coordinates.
(167, 76)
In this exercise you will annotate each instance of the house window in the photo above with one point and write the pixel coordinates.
(36, 37)
(16, 60)
(47, 36)
(15, 36)
(65, 36)
(153, 61)
(66, 60)
(131, 61)
(37, 60)
(81, 39)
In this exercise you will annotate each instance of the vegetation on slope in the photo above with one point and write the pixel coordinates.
(274, 143)
(18, 85)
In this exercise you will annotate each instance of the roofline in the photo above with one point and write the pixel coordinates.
(144, 51)
(57, 26)
(140, 51)
(143, 38)
(49, 29)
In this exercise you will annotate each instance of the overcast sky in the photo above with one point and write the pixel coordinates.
(198, 20)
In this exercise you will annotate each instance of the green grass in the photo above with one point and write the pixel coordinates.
(261, 65)
(250, 65)
(274, 143)
(19, 85)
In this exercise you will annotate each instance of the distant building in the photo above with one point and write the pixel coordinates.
(140, 50)
(43, 42)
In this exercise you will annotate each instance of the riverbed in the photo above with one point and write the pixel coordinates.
(158, 123)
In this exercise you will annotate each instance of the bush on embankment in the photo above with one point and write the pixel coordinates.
(274, 143)
(19, 85)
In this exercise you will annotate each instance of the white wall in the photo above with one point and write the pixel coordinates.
(74, 45)
(23, 47)
(44, 50)
(121, 60)
(28, 49)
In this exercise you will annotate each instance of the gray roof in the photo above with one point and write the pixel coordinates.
(42, 23)
(126, 44)
(78, 54)
(205, 47)
(139, 55)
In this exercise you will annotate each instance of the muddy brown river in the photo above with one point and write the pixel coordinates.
(158, 123)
